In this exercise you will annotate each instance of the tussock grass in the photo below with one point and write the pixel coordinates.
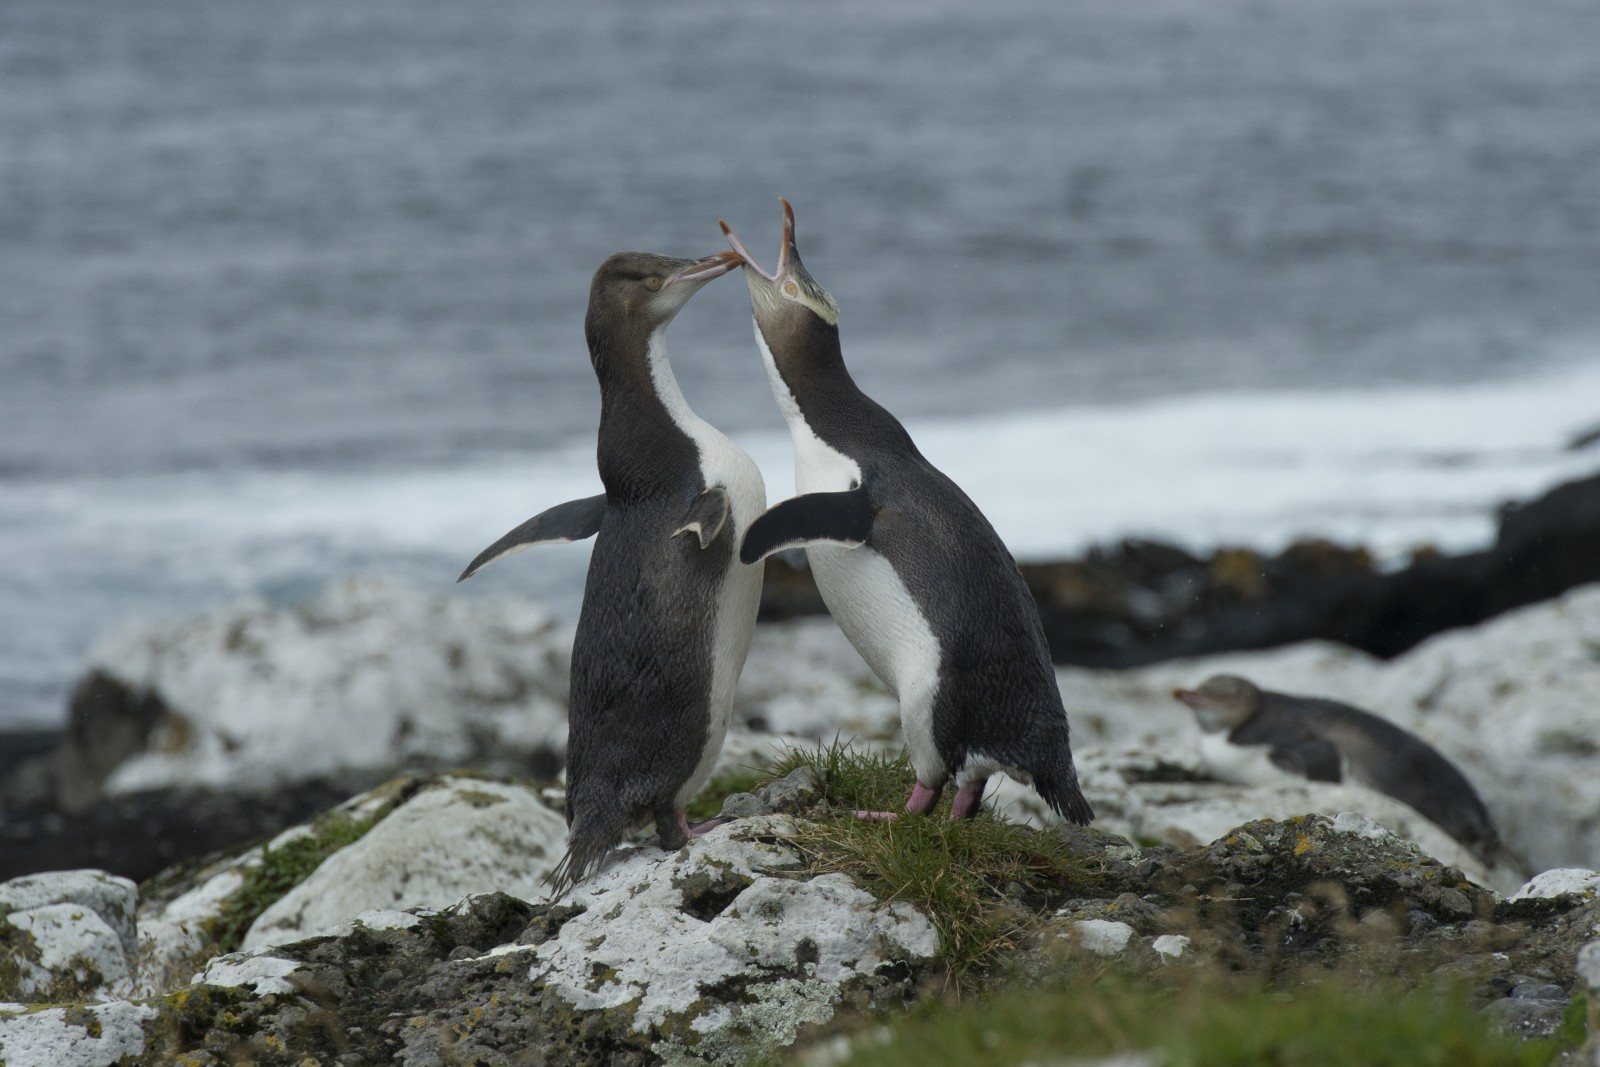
(965, 876)
(1208, 1019)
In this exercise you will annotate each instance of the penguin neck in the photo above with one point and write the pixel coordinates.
(824, 405)
(647, 429)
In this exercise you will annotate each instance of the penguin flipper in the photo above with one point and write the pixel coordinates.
(707, 515)
(838, 518)
(1317, 760)
(572, 521)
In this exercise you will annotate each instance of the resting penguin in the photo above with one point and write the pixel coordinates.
(1326, 741)
(668, 609)
(913, 572)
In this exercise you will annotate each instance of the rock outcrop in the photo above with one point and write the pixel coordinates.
(738, 945)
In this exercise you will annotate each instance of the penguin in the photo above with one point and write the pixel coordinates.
(1325, 741)
(909, 567)
(668, 609)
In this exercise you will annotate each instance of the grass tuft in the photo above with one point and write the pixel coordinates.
(281, 870)
(963, 875)
(1207, 1018)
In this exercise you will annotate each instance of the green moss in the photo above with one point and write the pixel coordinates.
(963, 875)
(281, 870)
(1209, 1019)
(707, 804)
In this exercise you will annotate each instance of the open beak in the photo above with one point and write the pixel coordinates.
(783, 253)
(703, 270)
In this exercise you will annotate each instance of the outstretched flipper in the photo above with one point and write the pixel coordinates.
(572, 521)
(1317, 760)
(706, 516)
(840, 518)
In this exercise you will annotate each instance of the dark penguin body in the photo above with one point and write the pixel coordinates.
(1326, 741)
(909, 567)
(668, 609)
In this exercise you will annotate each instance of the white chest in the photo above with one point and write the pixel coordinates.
(1242, 764)
(726, 464)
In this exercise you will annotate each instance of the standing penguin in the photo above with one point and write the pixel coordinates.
(913, 572)
(668, 609)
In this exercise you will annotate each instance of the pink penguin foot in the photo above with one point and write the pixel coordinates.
(968, 800)
(876, 816)
(922, 799)
(703, 828)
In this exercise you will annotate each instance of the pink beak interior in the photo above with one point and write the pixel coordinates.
(783, 251)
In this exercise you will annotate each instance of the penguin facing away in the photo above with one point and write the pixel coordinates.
(1326, 741)
(668, 610)
(909, 567)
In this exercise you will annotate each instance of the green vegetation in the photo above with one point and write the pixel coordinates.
(963, 875)
(1208, 1019)
(707, 804)
(281, 870)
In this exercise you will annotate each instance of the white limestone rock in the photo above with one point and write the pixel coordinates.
(174, 935)
(1561, 882)
(95, 1035)
(1103, 937)
(660, 930)
(66, 935)
(461, 836)
(261, 971)
(68, 953)
(1170, 946)
(114, 899)
(371, 675)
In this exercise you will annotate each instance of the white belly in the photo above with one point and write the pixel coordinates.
(865, 595)
(726, 464)
(1242, 764)
(737, 602)
(874, 609)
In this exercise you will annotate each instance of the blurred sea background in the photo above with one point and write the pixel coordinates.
(293, 290)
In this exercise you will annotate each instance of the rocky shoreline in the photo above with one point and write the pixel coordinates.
(280, 921)
(1141, 602)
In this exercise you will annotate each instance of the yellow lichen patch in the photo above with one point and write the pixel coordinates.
(1302, 844)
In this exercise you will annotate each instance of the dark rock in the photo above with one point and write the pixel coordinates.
(137, 835)
(1140, 602)
(1538, 991)
(1527, 1017)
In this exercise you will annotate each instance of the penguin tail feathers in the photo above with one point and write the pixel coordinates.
(587, 847)
(1065, 798)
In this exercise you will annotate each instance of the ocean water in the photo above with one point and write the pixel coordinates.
(293, 290)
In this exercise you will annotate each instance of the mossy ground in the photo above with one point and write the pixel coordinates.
(1207, 1018)
(980, 881)
(281, 870)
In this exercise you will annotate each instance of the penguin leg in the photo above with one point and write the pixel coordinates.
(969, 800)
(672, 829)
(923, 799)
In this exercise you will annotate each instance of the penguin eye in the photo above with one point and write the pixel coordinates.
(653, 282)
(791, 288)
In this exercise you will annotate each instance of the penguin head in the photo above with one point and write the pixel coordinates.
(793, 312)
(1223, 701)
(637, 293)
